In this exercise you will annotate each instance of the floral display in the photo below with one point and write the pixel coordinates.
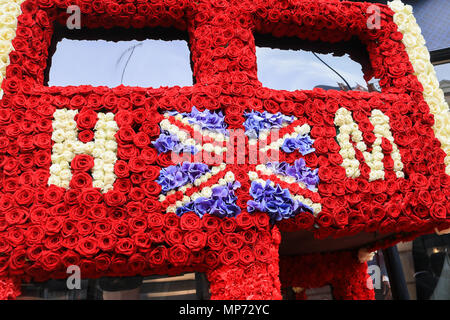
(140, 181)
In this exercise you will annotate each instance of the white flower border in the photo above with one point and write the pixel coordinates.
(420, 60)
(9, 11)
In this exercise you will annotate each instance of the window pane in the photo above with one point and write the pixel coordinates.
(293, 64)
(443, 75)
(114, 59)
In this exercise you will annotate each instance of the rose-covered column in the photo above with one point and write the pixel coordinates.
(251, 275)
(343, 270)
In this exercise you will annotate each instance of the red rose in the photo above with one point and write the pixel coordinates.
(158, 256)
(171, 220)
(340, 217)
(229, 256)
(233, 240)
(215, 240)
(149, 155)
(321, 145)
(124, 118)
(85, 227)
(127, 151)
(102, 262)
(228, 225)
(151, 172)
(125, 134)
(393, 209)
(120, 228)
(324, 219)
(82, 162)
(156, 235)
(141, 140)
(178, 255)
(24, 196)
(121, 169)
(69, 258)
(173, 236)
(137, 164)
(246, 255)
(50, 260)
(81, 180)
(234, 120)
(244, 220)
(261, 220)
(90, 197)
(86, 119)
(211, 259)
(125, 246)
(195, 240)
(106, 242)
(151, 204)
(378, 212)
(438, 211)
(304, 220)
(151, 188)
(190, 221)
(262, 253)
(114, 198)
(87, 246)
(378, 186)
(102, 226)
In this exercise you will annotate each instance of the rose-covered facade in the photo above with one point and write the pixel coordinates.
(87, 173)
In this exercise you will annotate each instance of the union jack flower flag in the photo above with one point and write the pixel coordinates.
(210, 161)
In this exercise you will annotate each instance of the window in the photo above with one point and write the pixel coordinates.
(145, 58)
(293, 64)
(443, 75)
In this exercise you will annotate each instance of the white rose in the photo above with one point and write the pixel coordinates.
(252, 175)
(109, 178)
(54, 180)
(396, 5)
(109, 157)
(77, 146)
(206, 192)
(98, 184)
(65, 174)
(229, 176)
(361, 146)
(58, 135)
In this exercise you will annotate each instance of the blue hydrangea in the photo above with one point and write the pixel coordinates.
(214, 121)
(222, 203)
(256, 122)
(176, 176)
(276, 201)
(299, 171)
(301, 143)
(169, 142)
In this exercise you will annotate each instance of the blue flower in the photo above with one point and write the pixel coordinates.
(221, 203)
(299, 171)
(301, 143)
(169, 142)
(166, 142)
(176, 176)
(214, 121)
(276, 201)
(256, 122)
